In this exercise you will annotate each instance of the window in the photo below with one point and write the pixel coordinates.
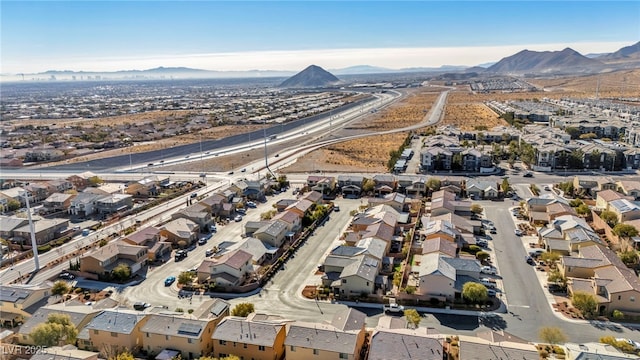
(293, 348)
(344, 281)
(147, 334)
(632, 299)
(344, 356)
(261, 348)
(114, 334)
(222, 342)
(190, 340)
(316, 352)
(166, 337)
(619, 297)
(234, 344)
(244, 345)
(367, 283)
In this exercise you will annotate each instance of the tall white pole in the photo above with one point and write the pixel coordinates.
(34, 244)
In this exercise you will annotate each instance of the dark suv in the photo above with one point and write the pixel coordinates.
(181, 254)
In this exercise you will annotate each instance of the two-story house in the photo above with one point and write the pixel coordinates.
(191, 337)
(113, 331)
(103, 260)
(250, 338)
(180, 230)
(229, 269)
(151, 238)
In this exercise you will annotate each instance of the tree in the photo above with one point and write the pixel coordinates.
(368, 186)
(609, 217)
(185, 277)
(550, 257)
(60, 288)
(629, 258)
(126, 355)
(121, 272)
(267, 215)
(433, 184)
(556, 276)
(552, 335)
(474, 292)
(585, 302)
(625, 230)
(476, 208)
(505, 186)
(618, 344)
(94, 181)
(583, 210)
(413, 318)
(13, 204)
(56, 330)
(482, 256)
(573, 132)
(243, 309)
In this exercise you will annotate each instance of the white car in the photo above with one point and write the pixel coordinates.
(488, 270)
(635, 344)
(488, 283)
(518, 232)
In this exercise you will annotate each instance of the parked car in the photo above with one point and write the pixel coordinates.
(634, 344)
(488, 270)
(491, 292)
(488, 283)
(238, 218)
(493, 231)
(66, 276)
(518, 232)
(169, 280)
(241, 211)
(547, 188)
(202, 241)
(251, 204)
(528, 175)
(181, 254)
(209, 252)
(529, 260)
(482, 243)
(141, 306)
(336, 208)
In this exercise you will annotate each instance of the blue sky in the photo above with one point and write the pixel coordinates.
(239, 35)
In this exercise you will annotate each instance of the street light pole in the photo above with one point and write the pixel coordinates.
(34, 244)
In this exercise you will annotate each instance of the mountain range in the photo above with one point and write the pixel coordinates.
(567, 61)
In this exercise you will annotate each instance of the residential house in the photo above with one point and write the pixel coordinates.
(397, 201)
(339, 258)
(321, 184)
(436, 158)
(606, 183)
(191, 337)
(359, 277)
(251, 227)
(477, 189)
(39, 191)
(67, 352)
(103, 260)
(41, 155)
(151, 238)
(146, 187)
(45, 230)
(443, 202)
(83, 205)
(249, 338)
(405, 344)
(291, 219)
(81, 181)
(343, 338)
(180, 230)
(475, 348)
(598, 270)
(113, 331)
(283, 204)
(350, 185)
(439, 245)
(197, 213)
(629, 188)
(59, 185)
(230, 269)
(17, 301)
(301, 207)
(114, 203)
(260, 252)
(384, 184)
(58, 202)
(566, 234)
(313, 196)
(537, 209)
(624, 209)
(79, 313)
(214, 204)
(442, 277)
(274, 233)
(594, 350)
(604, 197)
(585, 185)
(18, 194)
(10, 223)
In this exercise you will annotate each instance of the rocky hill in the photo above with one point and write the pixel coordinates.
(627, 52)
(312, 76)
(526, 61)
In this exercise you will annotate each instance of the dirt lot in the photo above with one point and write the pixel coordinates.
(372, 153)
(468, 116)
(624, 83)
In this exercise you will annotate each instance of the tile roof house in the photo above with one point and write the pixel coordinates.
(474, 348)
(58, 202)
(45, 230)
(79, 314)
(274, 233)
(443, 202)
(197, 213)
(404, 344)
(249, 338)
(67, 352)
(397, 201)
(358, 277)
(180, 229)
(629, 188)
(260, 252)
(291, 219)
(482, 189)
(151, 238)
(84, 204)
(229, 269)
(113, 331)
(567, 233)
(190, 336)
(605, 196)
(214, 203)
(104, 260)
(624, 209)
(301, 207)
(439, 245)
(442, 277)
(343, 338)
(17, 300)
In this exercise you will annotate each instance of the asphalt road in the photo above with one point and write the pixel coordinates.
(209, 145)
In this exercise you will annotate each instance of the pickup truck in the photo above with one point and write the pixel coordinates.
(393, 308)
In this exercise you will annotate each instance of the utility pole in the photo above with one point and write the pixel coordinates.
(34, 244)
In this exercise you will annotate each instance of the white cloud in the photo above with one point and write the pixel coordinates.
(395, 58)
